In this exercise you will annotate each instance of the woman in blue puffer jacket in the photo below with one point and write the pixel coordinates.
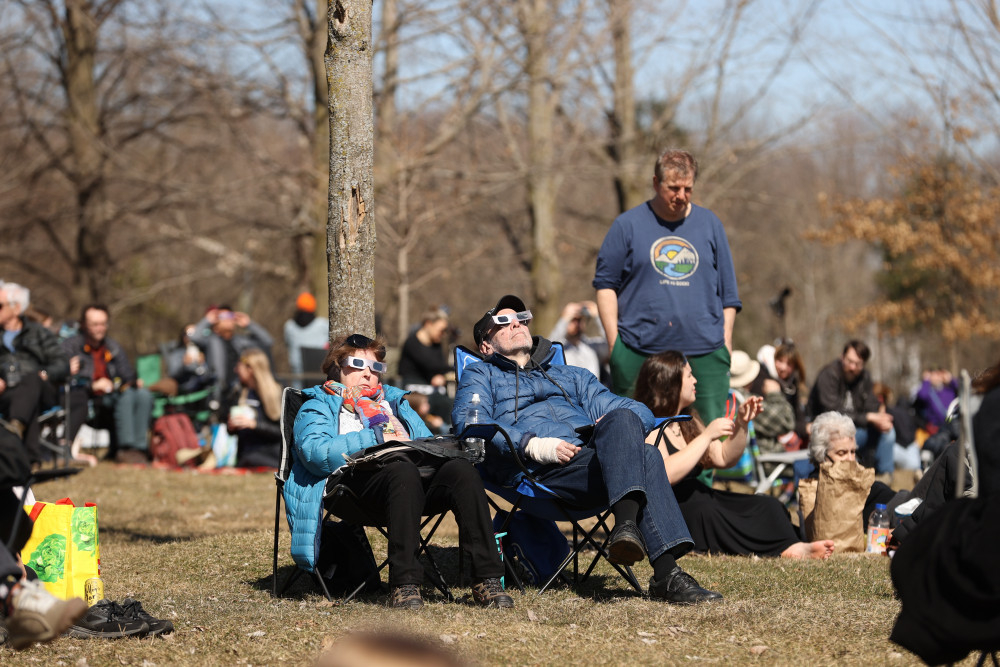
(354, 410)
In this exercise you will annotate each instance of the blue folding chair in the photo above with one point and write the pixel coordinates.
(533, 497)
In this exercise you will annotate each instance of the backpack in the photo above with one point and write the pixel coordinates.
(172, 433)
(536, 545)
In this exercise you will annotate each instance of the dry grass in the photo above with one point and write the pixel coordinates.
(197, 549)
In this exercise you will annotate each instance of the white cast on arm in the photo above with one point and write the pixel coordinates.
(543, 450)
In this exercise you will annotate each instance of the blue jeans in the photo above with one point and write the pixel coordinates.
(884, 448)
(616, 462)
(133, 408)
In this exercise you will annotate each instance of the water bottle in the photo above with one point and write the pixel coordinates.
(878, 530)
(474, 444)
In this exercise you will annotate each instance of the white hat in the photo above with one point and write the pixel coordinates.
(742, 369)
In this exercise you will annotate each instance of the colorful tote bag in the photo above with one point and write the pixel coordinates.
(63, 548)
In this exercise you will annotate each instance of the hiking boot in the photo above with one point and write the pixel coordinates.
(107, 620)
(626, 546)
(490, 593)
(134, 611)
(679, 587)
(407, 596)
(39, 616)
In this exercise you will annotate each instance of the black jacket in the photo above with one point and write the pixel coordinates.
(37, 349)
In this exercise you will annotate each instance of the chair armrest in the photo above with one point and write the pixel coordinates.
(486, 432)
(658, 429)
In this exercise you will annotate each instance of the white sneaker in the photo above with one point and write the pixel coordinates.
(39, 616)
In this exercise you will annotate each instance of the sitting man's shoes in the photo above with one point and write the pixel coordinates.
(626, 546)
(407, 596)
(107, 620)
(157, 626)
(679, 587)
(39, 616)
(490, 593)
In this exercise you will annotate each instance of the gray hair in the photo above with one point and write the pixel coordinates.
(825, 429)
(17, 294)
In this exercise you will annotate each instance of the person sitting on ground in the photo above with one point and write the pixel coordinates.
(354, 410)
(832, 438)
(720, 521)
(423, 364)
(579, 349)
(217, 335)
(845, 386)
(32, 364)
(906, 451)
(543, 407)
(304, 329)
(109, 382)
(254, 418)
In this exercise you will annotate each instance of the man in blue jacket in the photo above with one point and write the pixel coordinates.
(541, 406)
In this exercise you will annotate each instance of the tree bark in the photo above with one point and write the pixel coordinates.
(630, 186)
(350, 218)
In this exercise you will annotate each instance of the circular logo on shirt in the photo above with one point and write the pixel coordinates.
(674, 257)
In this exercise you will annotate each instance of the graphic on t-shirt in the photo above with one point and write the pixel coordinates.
(674, 257)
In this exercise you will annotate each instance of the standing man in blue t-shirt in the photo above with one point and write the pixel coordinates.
(665, 281)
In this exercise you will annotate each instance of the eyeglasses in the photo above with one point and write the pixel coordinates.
(359, 363)
(360, 342)
(523, 317)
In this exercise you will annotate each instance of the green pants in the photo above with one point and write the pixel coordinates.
(711, 370)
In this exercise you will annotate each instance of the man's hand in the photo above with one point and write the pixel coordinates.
(102, 386)
(550, 450)
(881, 420)
(438, 380)
(3, 386)
(74, 364)
(242, 319)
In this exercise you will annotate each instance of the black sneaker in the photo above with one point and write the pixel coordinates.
(679, 587)
(107, 620)
(157, 626)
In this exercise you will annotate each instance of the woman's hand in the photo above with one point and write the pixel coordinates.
(720, 428)
(240, 422)
(750, 409)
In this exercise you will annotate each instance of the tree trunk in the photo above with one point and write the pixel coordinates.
(351, 222)
(631, 187)
(93, 266)
(546, 278)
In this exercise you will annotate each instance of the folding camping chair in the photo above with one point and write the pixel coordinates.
(346, 509)
(533, 497)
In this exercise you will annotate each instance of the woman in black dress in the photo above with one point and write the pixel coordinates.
(719, 521)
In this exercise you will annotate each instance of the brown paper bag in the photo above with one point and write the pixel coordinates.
(807, 503)
(841, 492)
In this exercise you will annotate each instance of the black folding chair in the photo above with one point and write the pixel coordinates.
(345, 507)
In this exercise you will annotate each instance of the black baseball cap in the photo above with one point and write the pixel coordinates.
(486, 321)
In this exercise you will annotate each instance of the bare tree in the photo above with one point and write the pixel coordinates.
(351, 219)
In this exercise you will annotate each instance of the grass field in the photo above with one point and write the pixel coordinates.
(197, 549)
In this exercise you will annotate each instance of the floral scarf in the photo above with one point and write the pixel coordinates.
(366, 403)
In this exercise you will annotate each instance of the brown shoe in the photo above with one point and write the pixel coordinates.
(490, 593)
(407, 596)
(129, 455)
(39, 616)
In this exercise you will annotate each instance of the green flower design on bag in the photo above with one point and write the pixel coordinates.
(84, 529)
(49, 558)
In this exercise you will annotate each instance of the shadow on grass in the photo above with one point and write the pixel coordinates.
(129, 535)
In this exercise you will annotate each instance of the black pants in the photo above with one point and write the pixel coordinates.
(25, 402)
(396, 497)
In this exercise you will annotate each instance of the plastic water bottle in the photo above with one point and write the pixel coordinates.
(475, 444)
(878, 530)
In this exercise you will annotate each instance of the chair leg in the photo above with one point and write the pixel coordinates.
(274, 561)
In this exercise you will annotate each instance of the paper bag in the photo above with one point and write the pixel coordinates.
(841, 492)
(63, 548)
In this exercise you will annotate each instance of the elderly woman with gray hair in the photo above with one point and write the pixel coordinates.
(832, 439)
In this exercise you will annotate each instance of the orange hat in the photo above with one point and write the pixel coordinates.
(306, 302)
